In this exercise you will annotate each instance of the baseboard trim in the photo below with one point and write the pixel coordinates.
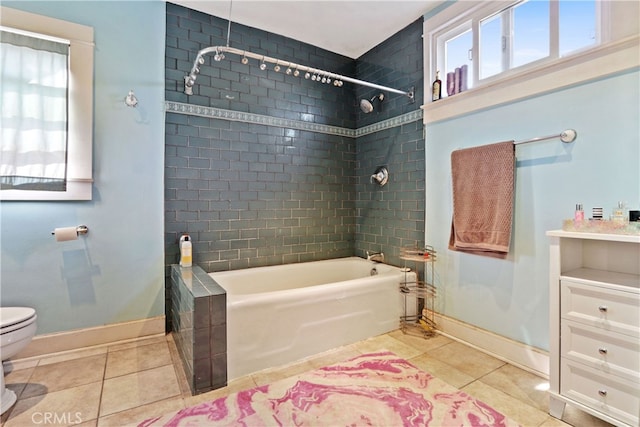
(88, 337)
(524, 356)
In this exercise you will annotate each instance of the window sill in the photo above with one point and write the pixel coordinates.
(602, 61)
(79, 189)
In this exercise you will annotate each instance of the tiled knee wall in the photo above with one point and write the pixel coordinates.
(199, 317)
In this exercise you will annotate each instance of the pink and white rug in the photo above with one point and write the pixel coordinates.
(377, 389)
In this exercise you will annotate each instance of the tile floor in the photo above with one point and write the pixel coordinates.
(125, 383)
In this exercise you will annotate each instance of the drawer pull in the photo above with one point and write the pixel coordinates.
(603, 308)
(602, 350)
(602, 393)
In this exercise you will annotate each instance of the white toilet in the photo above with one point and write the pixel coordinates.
(17, 328)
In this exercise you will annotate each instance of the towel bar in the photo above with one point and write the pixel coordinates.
(568, 135)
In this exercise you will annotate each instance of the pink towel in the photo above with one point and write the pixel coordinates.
(483, 182)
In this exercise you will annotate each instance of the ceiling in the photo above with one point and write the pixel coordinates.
(350, 28)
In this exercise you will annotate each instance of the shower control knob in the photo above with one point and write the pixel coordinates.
(380, 176)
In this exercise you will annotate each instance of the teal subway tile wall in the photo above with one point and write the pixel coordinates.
(270, 170)
(392, 216)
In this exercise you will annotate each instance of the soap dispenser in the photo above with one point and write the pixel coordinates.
(185, 251)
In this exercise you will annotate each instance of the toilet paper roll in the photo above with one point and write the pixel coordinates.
(65, 233)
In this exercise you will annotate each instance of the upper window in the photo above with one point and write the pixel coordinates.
(47, 107)
(504, 51)
(499, 37)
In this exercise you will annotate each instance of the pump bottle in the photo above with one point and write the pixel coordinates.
(185, 251)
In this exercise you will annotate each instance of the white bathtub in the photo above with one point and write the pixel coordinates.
(279, 314)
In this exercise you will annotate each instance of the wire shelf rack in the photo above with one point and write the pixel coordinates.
(418, 295)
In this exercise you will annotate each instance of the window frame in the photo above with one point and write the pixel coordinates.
(616, 52)
(80, 118)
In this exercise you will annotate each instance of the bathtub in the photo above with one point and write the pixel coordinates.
(277, 315)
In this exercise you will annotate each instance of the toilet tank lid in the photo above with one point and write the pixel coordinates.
(12, 315)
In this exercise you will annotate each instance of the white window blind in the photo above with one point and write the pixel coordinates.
(77, 41)
(34, 95)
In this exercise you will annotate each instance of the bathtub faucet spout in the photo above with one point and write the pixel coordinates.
(375, 256)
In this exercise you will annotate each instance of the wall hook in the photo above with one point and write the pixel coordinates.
(130, 100)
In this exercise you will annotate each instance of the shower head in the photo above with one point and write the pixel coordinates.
(367, 105)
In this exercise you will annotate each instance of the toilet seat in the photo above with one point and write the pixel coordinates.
(12, 318)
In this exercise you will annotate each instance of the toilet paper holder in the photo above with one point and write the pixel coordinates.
(81, 229)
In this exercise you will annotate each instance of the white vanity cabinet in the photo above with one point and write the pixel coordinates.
(594, 348)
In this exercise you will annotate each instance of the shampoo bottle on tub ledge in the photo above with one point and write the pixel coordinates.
(185, 251)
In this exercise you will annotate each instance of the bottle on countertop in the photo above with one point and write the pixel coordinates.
(436, 88)
(578, 216)
(619, 214)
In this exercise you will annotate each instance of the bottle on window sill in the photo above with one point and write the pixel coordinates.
(436, 88)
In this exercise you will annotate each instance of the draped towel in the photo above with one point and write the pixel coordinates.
(483, 181)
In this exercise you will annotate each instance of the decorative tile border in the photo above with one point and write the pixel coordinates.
(390, 123)
(240, 116)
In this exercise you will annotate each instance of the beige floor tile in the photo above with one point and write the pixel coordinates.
(139, 358)
(181, 376)
(155, 339)
(268, 376)
(17, 380)
(525, 386)
(513, 408)
(134, 416)
(578, 418)
(553, 422)
(185, 389)
(16, 365)
(143, 380)
(72, 355)
(137, 389)
(65, 407)
(90, 423)
(423, 344)
(333, 356)
(466, 359)
(67, 374)
(442, 370)
(387, 342)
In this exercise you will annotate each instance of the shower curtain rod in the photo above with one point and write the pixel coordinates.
(568, 135)
(291, 67)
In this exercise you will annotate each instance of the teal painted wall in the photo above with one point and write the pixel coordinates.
(115, 273)
(511, 297)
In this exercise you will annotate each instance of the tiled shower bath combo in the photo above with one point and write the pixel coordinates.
(263, 169)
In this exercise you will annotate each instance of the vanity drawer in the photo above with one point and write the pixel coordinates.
(608, 309)
(608, 352)
(611, 395)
